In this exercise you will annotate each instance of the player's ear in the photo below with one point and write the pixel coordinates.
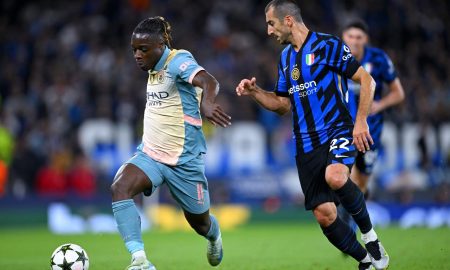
(288, 20)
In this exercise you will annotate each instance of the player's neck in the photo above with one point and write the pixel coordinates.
(299, 34)
(359, 56)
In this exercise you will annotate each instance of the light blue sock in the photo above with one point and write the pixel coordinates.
(214, 230)
(129, 224)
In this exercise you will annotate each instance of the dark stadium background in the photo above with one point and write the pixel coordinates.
(72, 102)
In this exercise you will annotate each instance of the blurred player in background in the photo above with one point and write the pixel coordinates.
(377, 63)
(312, 80)
(173, 142)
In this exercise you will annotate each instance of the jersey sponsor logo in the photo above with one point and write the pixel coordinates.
(305, 89)
(309, 59)
(154, 99)
(295, 74)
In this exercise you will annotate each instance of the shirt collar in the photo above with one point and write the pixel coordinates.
(161, 61)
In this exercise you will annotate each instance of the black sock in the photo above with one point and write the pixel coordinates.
(343, 214)
(352, 199)
(343, 237)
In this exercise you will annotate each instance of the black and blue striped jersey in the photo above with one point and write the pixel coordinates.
(315, 80)
(379, 65)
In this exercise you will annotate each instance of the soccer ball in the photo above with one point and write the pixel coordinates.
(69, 257)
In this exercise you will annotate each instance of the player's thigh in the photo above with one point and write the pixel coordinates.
(311, 171)
(138, 174)
(129, 181)
(341, 157)
(188, 185)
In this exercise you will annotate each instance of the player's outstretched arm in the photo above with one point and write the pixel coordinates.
(268, 100)
(211, 110)
(395, 96)
(361, 134)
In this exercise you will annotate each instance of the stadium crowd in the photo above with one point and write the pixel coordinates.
(65, 63)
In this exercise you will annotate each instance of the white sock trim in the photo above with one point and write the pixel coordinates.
(139, 254)
(370, 236)
(366, 259)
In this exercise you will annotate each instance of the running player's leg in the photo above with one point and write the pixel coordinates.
(131, 179)
(207, 226)
(360, 179)
(340, 234)
(360, 174)
(321, 199)
(340, 159)
(188, 185)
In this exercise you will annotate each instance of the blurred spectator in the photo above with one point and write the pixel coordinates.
(51, 180)
(6, 152)
(81, 177)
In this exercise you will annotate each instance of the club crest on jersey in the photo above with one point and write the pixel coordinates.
(368, 67)
(295, 74)
(157, 78)
(160, 76)
(309, 59)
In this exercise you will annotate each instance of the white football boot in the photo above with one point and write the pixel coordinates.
(141, 263)
(378, 255)
(215, 251)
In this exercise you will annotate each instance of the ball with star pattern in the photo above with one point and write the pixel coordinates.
(69, 257)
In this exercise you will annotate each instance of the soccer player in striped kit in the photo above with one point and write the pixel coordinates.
(312, 81)
(378, 64)
(173, 142)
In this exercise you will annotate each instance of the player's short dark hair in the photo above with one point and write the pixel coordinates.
(356, 23)
(282, 8)
(155, 26)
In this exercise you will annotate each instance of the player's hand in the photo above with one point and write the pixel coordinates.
(361, 136)
(376, 107)
(215, 114)
(246, 87)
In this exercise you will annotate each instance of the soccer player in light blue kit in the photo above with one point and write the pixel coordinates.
(173, 142)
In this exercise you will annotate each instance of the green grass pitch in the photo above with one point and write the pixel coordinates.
(259, 246)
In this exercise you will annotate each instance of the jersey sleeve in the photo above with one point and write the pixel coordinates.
(339, 58)
(388, 71)
(184, 66)
(281, 84)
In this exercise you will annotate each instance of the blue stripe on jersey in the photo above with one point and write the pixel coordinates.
(380, 67)
(311, 78)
